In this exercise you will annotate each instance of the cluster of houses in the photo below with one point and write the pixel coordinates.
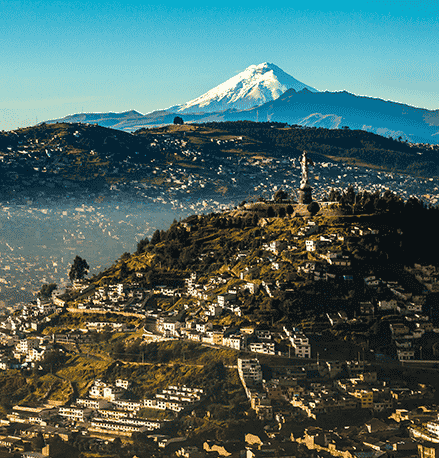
(406, 315)
(324, 263)
(405, 433)
(30, 350)
(289, 342)
(409, 322)
(24, 352)
(310, 390)
(427, 276)
(118, 297)
(321, 388)
(29, 318)
(375, 439)
(407, 327)
(175, 398)
(108, 409)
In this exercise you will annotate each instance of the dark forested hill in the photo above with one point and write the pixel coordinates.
(364, 147)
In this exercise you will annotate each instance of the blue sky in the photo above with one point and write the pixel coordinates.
(65, 57)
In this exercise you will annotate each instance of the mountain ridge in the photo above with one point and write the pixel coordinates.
(375, 115)
(301, 105)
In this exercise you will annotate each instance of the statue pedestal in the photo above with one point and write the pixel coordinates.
(305, 195)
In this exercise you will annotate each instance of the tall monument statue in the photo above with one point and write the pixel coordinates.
(305, 190)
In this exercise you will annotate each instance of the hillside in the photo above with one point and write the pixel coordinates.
(61, 159)
(265, 242)
(340, 276)
(356, 146)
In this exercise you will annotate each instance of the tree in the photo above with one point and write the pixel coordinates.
(281, 212)
(334, 195)
(270, 212)
(178, 120)
(46, 290)
(124, 270)
(313, 208)
(156, 237)
(79, 269)
(349, 198)
(141, 246)
(280, 195)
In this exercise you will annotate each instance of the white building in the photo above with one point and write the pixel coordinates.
(262, 347)
(121, 383)
(102, 390)
(127, 404)
(95, 404)
(387, 305)
(300, 344)
(75, 413)
(405, 355)
(233, 341)
(433, 427)
(169, 326)
(249, 370)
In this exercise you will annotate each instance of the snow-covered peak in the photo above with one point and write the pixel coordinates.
(254, 86)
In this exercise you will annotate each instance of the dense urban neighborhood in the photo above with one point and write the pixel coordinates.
(168, 164)
(290, 310)
(274, 329)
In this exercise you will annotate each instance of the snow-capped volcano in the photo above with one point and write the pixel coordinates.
(254, 86)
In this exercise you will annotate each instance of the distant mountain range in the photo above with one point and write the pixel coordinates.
(266, 93)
